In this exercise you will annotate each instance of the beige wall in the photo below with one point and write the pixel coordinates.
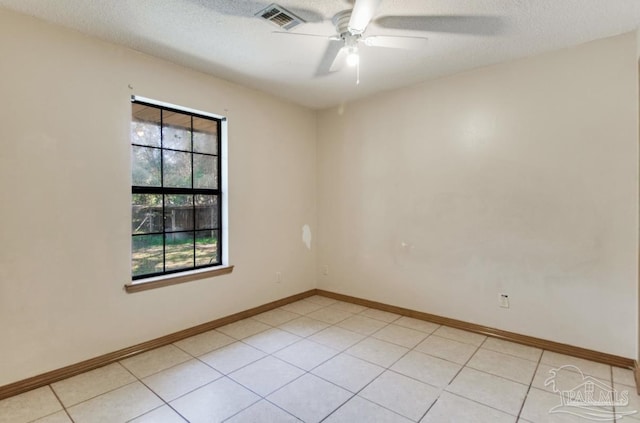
(65, 185)
(519, 178)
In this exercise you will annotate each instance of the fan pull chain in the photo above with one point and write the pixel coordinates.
(358, 73)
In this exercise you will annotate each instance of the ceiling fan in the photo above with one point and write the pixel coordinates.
(343, 47)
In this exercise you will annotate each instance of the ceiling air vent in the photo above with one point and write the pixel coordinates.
(279, 16)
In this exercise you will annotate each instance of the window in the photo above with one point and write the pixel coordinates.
(176, 190)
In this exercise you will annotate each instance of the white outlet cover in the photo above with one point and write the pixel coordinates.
(503, 300)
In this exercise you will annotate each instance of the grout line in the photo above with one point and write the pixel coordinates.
(613, 387)
(147, 412)
(385, 369)
(255, 403)
(64, 408)
(526, 395)
(161, 399)
(308, 372)
(103, 393)
(260, 398)
(149, 388)
(241, 367)
(355, 394)
(463, 366)
(431, 406)
(495, 375)
(513, 355)
(482, 404)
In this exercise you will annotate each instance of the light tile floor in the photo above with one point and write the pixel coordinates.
(324, 360)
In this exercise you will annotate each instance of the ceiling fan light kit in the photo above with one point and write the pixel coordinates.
(353, 58)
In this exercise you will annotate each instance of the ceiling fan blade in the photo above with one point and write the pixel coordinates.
(339, 61)
(329, 58)
(303, 34)
(363, 11)
(396, 41)
(478, 25)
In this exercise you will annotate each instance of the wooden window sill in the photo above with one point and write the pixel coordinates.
(174, 279)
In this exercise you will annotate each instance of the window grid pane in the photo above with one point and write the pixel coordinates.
(146, 166)
(176, 199)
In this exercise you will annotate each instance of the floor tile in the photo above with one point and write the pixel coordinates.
(401, 394)
(454, 409)
(350, 307)
(214, 402)
(271, 340)
(361, 410)
(304, 326)
(148, 363)
(541, 407)
(362, 324)
(339, 362)
(623, 376)
(243, 328)
(310, 398)
(181, 379)
(29, 406)
(59, 417)
(385, 316)
(336, 338)
(302, 307)
(432, 370)
(204, 342)
(330, 315)
(232, 357)
(507, 366)
(263, 412)
(512, 348)
(628, 394)
(417, 324)
(460, 335)
(549, 378)
(323, 301)
(276, 317)
(400, 335)
(306, 354)
(377, 352)
(494, 391)
(162, 414)
(448, 349)
(266, 375)
(348, 372)
(91, 384)
(121, 405)
(587, 367)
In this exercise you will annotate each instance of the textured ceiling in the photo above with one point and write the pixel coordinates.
(223, 38)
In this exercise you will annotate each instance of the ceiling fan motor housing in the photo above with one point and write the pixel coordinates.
(341, 21)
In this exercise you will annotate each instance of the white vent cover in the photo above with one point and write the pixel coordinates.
(279, 16)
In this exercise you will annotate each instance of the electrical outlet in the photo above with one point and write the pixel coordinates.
(278, 277)
(503, 300)
(325, 269)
